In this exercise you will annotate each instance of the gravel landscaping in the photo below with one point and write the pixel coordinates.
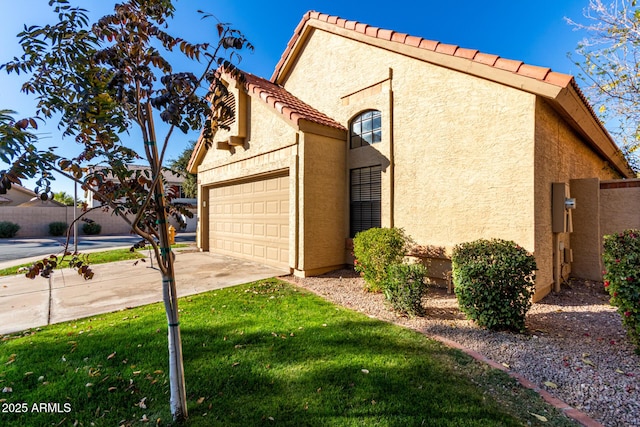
(575, 346)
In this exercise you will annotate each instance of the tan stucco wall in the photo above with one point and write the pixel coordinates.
(463, 155)
(560, 155)
(321, 204)
(462, 146)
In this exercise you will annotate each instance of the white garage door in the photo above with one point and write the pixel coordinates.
(251, 220)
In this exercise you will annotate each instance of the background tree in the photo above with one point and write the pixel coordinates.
(610, 64)
(64, 198)
(179, 166)
(99, 81)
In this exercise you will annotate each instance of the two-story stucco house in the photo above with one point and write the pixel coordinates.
(361, 127)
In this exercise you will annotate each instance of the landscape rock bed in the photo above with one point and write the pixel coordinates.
(575, 346)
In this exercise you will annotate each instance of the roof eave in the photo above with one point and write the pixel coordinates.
(583, 119)
(196, 156)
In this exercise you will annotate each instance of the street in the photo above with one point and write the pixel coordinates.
(21, 248)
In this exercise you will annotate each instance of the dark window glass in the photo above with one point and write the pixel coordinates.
(366, 192)
(366, 129)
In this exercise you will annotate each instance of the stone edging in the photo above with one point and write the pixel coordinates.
(569, 411)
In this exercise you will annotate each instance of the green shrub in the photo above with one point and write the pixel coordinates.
(57, 228)
(494, 282)
(91, 228)
(622, 278)
(8, 229)
(374, 250)
(404, 287)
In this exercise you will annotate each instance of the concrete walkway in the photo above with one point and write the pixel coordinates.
(115, 286)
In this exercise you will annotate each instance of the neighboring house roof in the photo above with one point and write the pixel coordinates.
(169, 176)
(290, 107)
(17, 195)
(20, 196)
(560, 89)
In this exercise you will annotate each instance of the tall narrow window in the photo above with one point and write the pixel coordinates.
(366, 129)
(365, 198)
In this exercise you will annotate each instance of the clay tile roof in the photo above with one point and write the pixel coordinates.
(466, 53)
(285, 103)
(449, 49)
(508, 64)
(516, 67)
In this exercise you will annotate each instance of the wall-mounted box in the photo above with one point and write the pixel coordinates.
(561, 207)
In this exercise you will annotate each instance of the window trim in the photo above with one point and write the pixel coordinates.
(365, 207)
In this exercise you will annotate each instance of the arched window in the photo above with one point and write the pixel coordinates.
(366, 129)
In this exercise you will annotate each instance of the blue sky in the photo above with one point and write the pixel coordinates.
(531, 31)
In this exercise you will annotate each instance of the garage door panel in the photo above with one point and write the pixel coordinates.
(251, 220)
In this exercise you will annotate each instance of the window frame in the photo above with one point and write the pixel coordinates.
(365, 129)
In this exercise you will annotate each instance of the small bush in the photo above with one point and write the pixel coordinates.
(91, 228)
(405, 286)
(622, 278)
(8, 229)
(494, 282)
(374, 250)
(57, 228)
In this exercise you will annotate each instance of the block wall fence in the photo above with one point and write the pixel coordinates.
(602, 207)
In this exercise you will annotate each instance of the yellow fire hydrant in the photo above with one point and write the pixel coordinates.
(172, 235)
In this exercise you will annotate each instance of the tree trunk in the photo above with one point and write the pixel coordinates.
(178, 399)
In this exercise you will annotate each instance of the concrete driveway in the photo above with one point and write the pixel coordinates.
(24, 303)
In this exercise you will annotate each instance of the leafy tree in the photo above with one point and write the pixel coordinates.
(179, 166)
(609, 62)
(99, 81)
(64, 198)
(18, 148)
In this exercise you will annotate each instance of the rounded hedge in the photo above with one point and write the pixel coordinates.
(91, 228)
(375, 249)
(57, 228)
(404, 288)
(494, 282)
(8, 229)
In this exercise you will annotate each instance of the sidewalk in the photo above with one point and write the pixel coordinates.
(115, 286)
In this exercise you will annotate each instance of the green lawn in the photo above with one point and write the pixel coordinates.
(264, 353)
